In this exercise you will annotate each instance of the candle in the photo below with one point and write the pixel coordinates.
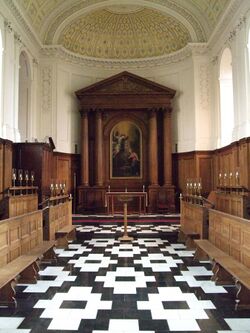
(143, 188)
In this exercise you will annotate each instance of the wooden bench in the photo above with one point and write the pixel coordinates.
(45, 251)
(187, 236)
(226, 271)
(23, 269)
(64, 235)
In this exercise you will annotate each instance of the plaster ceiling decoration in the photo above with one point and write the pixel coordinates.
(129, 34)
(124, 29)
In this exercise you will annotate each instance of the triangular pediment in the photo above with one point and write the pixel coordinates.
(125, 83)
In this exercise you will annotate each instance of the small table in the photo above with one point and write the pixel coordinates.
(125, 199)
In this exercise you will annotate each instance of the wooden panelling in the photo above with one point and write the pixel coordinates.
(231, 234)
(56, 217)
(208, 165)
(19, 235)
(233, 203)
(194, 165)
(50, 167)
(194, 219)
(8, 156)
(5, 166)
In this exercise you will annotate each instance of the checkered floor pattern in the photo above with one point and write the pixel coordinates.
(103, 285)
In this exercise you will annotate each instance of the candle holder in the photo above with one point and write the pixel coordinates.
(13, 177)
(225, 179)
(230, 180)
(56, 189)
(60, 189)
(20, 176)
(187, 187)
(220, 179)
(32, 177)
(199, 188)
(237, 178)
(51, 190)
(63, 188)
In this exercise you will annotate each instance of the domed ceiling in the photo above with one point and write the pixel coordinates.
(117, 33)
(124, 29)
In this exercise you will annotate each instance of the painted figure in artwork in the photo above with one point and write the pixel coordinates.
(126, 150)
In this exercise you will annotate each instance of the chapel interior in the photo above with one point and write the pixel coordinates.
(124, 166)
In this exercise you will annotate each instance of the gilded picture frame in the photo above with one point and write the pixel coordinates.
(125, 151)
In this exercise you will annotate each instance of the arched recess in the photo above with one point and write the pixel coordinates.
(226, 98)
(24, 99)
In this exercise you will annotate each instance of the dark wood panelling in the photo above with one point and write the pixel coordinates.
(49, 167)
(6, 152)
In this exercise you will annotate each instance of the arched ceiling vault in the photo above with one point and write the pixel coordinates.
(112, 29)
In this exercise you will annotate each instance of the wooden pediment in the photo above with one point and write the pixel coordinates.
(124, 83)
(124, 88)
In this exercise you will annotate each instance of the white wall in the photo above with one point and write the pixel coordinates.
(194, 75)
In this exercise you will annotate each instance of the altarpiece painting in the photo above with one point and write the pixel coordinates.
(125, 148)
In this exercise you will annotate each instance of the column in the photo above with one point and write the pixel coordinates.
(167, 145)
(85, 150)
(153, 149)
(98, 150)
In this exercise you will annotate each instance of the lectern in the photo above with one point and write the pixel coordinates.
(125, 199)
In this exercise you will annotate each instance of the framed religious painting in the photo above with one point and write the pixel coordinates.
(125, 150)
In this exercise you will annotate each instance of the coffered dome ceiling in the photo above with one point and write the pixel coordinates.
(125, 29)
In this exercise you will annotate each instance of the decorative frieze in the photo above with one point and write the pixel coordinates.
(61, 53)
(46, 78)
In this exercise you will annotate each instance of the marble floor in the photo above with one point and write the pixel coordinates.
(102, 285)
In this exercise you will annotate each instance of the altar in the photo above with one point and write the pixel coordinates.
(112, 200)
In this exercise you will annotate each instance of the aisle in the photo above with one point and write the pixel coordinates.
(101, 285)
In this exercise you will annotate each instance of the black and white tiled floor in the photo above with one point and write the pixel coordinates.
(101, 285)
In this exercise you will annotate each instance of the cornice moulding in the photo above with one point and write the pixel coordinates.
(60, 52)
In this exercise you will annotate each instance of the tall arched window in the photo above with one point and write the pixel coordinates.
(226, 98)
(24, 96)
